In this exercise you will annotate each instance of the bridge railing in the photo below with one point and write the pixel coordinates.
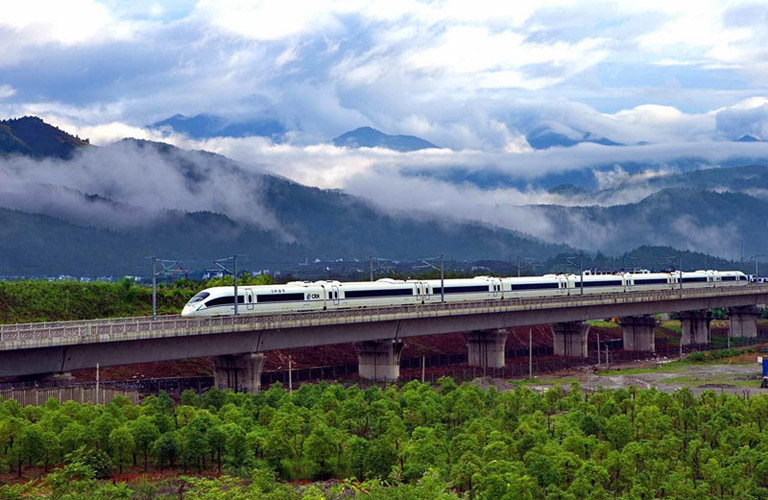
(107, 329)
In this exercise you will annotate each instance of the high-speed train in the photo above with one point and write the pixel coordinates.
(298, 296)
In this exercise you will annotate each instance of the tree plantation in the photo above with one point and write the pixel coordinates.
(326, 441)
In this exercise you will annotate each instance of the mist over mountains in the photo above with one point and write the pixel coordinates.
(68, 207)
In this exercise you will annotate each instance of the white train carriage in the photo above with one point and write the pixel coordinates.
(383, 292)
(464, 290)
(596, 283)
(648, 281)
(535, 286)
(220, 301)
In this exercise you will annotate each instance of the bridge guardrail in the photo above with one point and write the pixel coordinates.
(175, 323)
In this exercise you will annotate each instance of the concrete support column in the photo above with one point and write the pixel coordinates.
(486, 348)
(744, 321)
(571, 339)
(695, 327)
(638, 333)
(379, 359)
(239, 372)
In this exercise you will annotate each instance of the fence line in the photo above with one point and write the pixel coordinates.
(454, 365)
(80, 394)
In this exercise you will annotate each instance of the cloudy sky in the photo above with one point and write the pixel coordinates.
(462, 74)
(671, 79)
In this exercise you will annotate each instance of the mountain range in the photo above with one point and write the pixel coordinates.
(276, 220)
(300, 222)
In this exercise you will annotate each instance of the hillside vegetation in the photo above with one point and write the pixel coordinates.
(423, 442)
(33, 301)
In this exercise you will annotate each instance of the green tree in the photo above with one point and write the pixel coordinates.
(122, 444)
(145, 433)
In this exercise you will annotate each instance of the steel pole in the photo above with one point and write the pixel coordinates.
(236, 297)
(154, 288)
(371, 267)
(442, 281)
(581, 265)
(598, 349)
(530, 353)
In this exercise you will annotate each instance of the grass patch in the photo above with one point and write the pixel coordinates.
(602, 323)
(672, 366)
(697, 381)
(705, 356)
(672, 325)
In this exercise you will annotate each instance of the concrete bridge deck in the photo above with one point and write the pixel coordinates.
(36, 348)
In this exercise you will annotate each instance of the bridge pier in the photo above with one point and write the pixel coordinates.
(486, 347)
(694, 327)
(239, 372)
(744, 321)
(571, 339)
(379, 359)
(639, 333)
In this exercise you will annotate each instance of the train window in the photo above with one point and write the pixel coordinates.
(228, 300)
(351, 294)
(697, 279)
(650, 281)
(462, 289)
(279, 297)
(200, 296)
(534, 286)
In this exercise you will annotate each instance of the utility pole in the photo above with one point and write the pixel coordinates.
(442, 273)
(382, 264)
(523, 262)
(97, 383)
(154, 288)
(757, 269)
(530, 353)
(570, 260)
(598, 349)
(671, 261)
(442, 280)
(218, 262)
(290, 375)
(168, 266)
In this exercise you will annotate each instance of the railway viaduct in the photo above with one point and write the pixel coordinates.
(238, 345)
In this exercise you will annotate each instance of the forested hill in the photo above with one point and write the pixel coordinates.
(31, 136)
(286, 222)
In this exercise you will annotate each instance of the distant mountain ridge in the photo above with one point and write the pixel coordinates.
(205, 126)
(308, 223)
(545, 138)
(31, 136)
(367, 137)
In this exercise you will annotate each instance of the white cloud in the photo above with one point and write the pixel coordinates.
(6, 91)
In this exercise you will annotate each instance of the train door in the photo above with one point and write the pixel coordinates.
(495, 288)
(249, 299)
(335, 294)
